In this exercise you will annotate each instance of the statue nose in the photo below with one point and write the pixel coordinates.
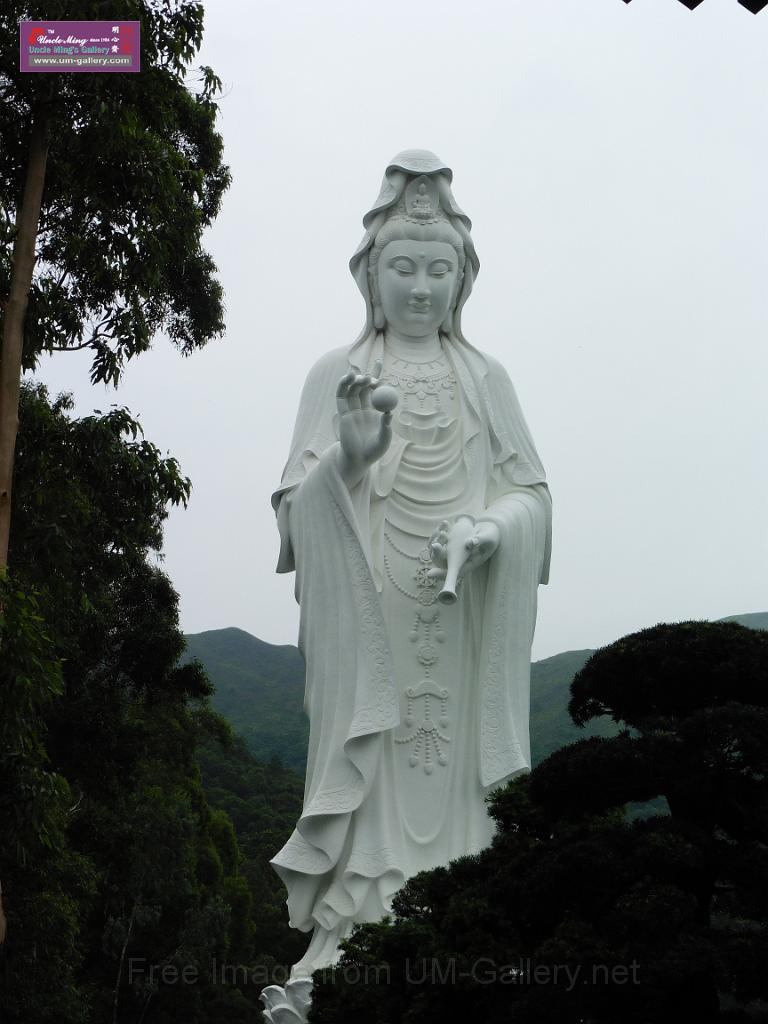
(420, 292)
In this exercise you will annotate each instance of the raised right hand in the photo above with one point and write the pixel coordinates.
(364, 433)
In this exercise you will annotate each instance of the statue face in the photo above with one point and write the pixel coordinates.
(417, 283)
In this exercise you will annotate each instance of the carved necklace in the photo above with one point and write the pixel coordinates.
(426, 594)
(420, 382)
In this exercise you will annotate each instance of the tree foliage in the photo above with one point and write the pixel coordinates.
(577, 913)
(670, 671)
(114, 860)
(134, 175)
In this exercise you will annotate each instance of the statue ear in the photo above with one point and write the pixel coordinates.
(379, 322)
(373, 287)
(447, 324)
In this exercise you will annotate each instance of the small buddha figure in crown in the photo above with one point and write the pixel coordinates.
(421, 204)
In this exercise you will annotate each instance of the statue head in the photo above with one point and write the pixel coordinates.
(416, 264)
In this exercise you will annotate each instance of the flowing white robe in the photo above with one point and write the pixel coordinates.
(369, 821)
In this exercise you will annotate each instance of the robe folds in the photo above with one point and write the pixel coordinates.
(346, 856)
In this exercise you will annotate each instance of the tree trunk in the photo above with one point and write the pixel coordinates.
(116, 1000)
(13, 325)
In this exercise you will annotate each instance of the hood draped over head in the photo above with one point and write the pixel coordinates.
(403, 169)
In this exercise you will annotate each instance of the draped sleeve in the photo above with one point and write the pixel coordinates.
(517, 466)
(519, 503)
(314, 433)
(350, 694)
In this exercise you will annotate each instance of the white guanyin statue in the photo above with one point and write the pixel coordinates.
(415, 513)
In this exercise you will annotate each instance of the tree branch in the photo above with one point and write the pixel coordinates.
(76, 348)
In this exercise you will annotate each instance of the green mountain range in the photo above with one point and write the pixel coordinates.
(260, 690)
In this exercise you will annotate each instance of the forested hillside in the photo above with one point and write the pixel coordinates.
(260, 691)
(263, 801)
(119, 856)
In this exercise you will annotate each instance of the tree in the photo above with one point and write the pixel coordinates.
(110, 850)
(263, 802)
(576, 913)
(107, 182)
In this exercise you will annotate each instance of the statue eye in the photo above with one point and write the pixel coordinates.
(440, 268)
(403, 267)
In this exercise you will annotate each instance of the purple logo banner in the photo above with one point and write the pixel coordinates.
(46, 46)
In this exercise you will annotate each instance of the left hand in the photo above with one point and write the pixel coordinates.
(484, 542)
(481, 545)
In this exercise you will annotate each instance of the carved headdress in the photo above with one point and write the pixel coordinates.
(416, 189)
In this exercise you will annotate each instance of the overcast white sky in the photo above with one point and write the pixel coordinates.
(614, 161)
